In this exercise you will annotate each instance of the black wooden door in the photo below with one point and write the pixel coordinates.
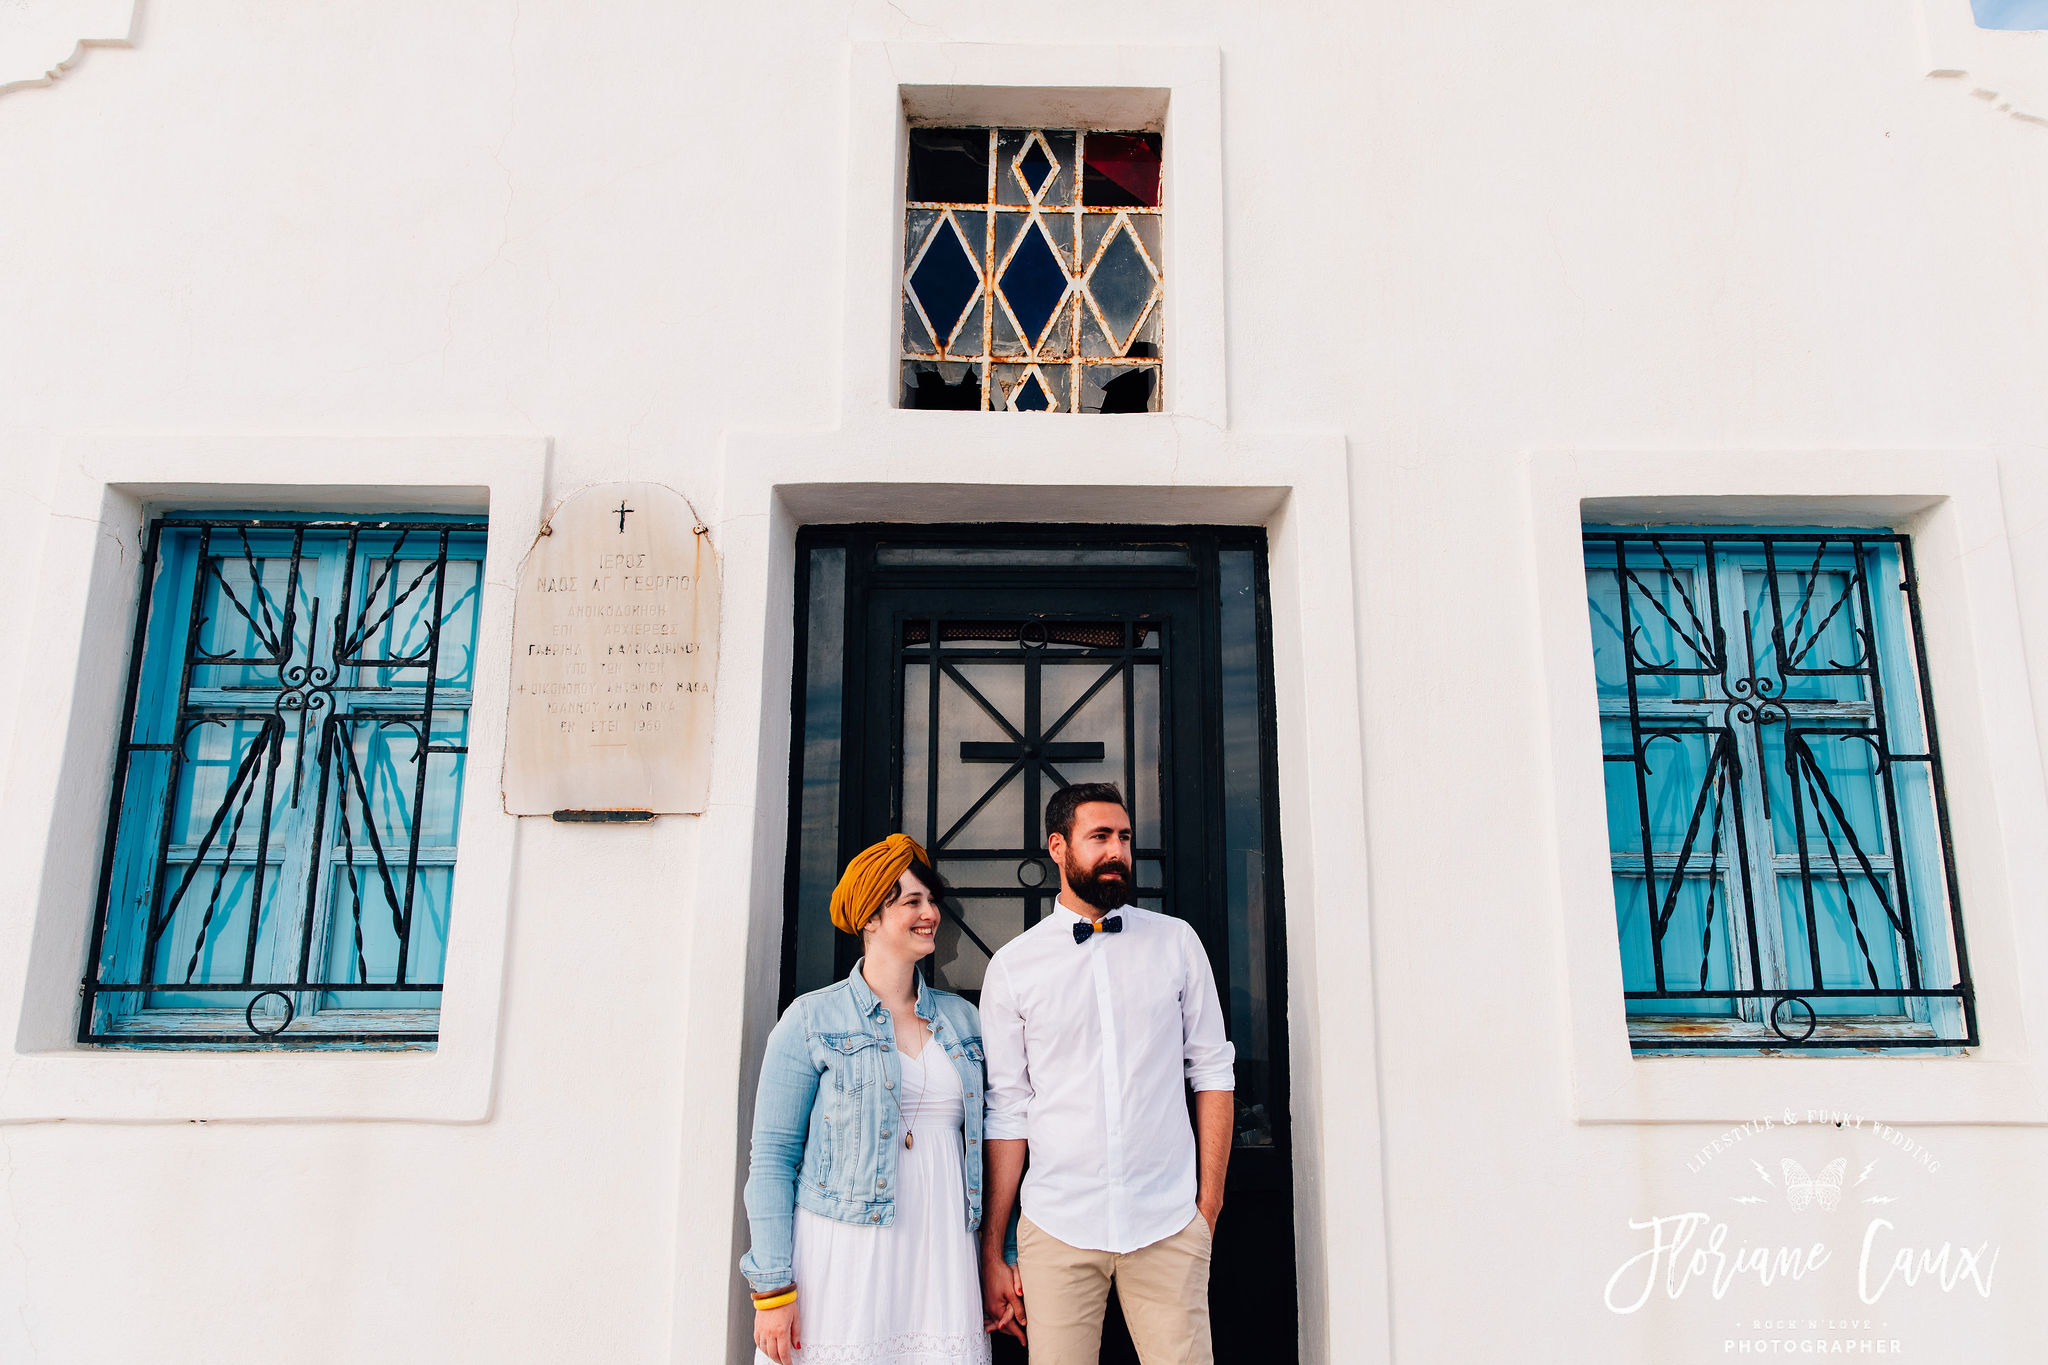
(951, 679)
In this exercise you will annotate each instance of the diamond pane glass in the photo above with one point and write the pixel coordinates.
(1034, 282)
(1005, 261)
(1035, 167)
(1121, 284)
(945, 280)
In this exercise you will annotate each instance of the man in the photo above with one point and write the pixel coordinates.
(1092, 1019)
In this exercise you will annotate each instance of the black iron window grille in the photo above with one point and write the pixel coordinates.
(1783, 875)
(1032, 270)
(280, 848)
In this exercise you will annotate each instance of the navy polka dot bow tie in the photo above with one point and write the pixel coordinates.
(1112, 924)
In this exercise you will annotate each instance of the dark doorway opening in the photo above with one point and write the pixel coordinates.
(949, 679)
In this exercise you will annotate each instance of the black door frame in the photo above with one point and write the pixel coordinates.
(1266, 1170)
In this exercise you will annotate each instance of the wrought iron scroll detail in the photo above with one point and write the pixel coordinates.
(291, 685)
(1780, 837)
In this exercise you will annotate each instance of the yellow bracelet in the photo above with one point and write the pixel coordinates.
(763, 1305)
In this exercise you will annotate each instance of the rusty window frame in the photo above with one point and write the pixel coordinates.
(1056, 360)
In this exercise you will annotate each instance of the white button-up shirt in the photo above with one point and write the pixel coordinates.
(1087, 1045)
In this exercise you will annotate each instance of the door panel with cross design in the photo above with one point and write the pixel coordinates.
(998, 712)
(950, 680)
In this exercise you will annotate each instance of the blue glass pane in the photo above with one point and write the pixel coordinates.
(1624, 828)
(387, 765)
(227, 768)
(206, 939)
(1696, 934)
(244, 590)
(1819, 614)
(1842, 911)
(1034, 283)
(1833, 792)
(1030, 396)
(945, 280)
(1682, 804)
(405, 601)
(1035, 167)
(1668, 614)
(363, 934)
(2010, 14)
(1603, 605)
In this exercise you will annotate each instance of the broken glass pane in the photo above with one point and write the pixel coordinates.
(1122, 171)
(917, 338)
(1029, 388)
(949, 165)
(1009, 146)
(1017, 272)
(1107, 389)
(1005, 341)
(1060, 192)
(941, 386)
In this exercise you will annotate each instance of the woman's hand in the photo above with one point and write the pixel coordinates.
(775, 1333)
(1002, 1294)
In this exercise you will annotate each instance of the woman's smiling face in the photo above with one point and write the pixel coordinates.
(906, 926)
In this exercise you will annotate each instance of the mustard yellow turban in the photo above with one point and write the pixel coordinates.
(869, 878)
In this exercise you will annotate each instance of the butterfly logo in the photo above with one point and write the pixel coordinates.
(1803, 1190)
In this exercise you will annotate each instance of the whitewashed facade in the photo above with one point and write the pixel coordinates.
(1441, 281)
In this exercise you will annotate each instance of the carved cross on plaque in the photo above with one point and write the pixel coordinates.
(622, 510)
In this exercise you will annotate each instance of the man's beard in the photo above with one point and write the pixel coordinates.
(1106, 886)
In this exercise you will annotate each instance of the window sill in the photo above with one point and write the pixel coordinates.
(226, 1030)
(1730, 1038)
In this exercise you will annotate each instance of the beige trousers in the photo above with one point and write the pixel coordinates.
(1164, 1290)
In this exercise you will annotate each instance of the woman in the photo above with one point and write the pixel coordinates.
(864, 1191)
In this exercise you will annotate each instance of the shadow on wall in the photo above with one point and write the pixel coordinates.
(2011, 14)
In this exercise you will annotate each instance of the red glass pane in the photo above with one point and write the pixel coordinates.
(1122, 171)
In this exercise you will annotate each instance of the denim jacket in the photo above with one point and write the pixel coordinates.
(827, 1126)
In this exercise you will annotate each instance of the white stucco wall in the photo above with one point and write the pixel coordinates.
(1453, 242)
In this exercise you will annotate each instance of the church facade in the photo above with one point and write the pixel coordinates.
(1538, 509)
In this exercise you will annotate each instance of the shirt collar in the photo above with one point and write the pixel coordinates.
(1063, 915)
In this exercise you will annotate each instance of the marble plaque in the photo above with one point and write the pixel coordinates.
(615, 646)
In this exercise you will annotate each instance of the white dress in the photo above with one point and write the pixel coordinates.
(908, 1293)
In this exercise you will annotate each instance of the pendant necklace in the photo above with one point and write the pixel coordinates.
(910, 1137)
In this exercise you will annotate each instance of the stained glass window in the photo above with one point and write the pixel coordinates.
(1032, 273)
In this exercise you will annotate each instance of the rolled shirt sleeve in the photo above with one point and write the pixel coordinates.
(1206, 1054)
(1009, 1073)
